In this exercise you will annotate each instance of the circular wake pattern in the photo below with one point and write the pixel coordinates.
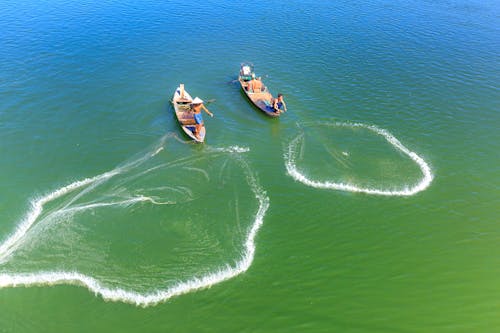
(64, 205)
(294, 150)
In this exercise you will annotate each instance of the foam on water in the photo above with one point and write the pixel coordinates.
(9, 244)
(127, 202)
(203, 172)
(163, 293)
(230, 149)
(157, 151)
(294, 148)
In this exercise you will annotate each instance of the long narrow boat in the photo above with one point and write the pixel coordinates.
(185, 116)
(261, 98)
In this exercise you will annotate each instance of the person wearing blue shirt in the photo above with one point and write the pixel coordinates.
(197, 106)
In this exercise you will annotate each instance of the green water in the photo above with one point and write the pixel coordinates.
(370, 206)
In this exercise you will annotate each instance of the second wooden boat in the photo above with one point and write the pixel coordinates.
(260, 97)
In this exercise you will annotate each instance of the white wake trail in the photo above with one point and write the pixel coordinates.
(9, 245)
(126, 202)
(292, 170)
(119, 294)
(230, 149)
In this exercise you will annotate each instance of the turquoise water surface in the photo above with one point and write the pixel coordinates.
(370, 206)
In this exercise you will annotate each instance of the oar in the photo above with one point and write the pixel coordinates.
(208, 102)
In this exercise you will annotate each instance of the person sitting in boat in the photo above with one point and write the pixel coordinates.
(254, 85)
(279, 104)
(197, 106)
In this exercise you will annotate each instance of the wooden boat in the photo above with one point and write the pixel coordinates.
(185, 116)
(261, 98)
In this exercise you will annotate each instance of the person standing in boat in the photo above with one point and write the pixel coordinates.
(254, 85)
(197, 106)
(279, 104)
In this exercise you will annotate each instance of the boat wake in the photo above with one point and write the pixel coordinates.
(230, 149)
(294, 151)
(156, 180)
(132, 191)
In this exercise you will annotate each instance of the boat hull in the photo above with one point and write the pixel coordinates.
(185, 116)
(261, 99)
